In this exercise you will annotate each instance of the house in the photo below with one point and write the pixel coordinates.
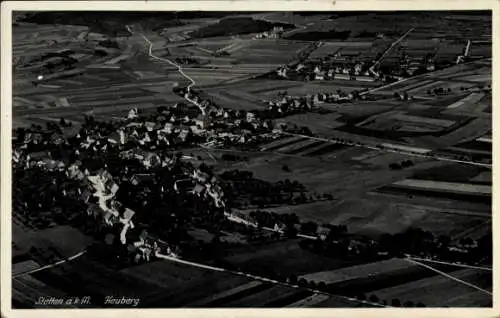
(109, 238)
(196, 130)
(198, 190)
(167, 129)
(145, 139)
(127, 216)
(342, 77)
(94, 210)
(109, 218)
(56, 139)
(184, 185)
(133, 113)
(458, 250)
(363, 78)
(149, 125)
(38, 156)
(200, 176)
(142, 178)
(115, 138)
(184, 134)
(250, 117)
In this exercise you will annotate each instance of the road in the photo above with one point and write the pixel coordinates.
(449, 276)
(236, 219)
(426, 75)
(414, 258)
(178, 66)
(51, 265)
(260, 278)
(390, 48)
(408, 257)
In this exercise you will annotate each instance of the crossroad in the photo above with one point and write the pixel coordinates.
(412, 260)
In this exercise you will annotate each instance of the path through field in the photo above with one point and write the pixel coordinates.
(51, 265)
(449, 276)
(178, 66)
(391, 150)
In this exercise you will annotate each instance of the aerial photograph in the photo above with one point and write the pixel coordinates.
(223, 159)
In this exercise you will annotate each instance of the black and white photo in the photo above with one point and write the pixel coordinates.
(251, 159)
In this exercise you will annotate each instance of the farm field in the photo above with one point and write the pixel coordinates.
(445, 186)
(49, 243)
(399, 275)
(358, 271)
(267, 258)
(452, 172)
(441, 291)
(374, 216)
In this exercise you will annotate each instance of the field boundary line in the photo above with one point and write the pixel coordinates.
(452, 264)
(410, 154)
(264, 279)
(62, 261)
(449, 276)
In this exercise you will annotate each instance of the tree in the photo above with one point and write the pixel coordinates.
(361, 296)
(395, 166)
(290, 231)
(466, 241)
(396, 303)
(302, 282)
(309, 227)
(408, 304)
(444, 240)
(374, 299)
(406, 163)
(285, 168)
(312, 284)
(292, 279)
(322, 286)
(420, 305)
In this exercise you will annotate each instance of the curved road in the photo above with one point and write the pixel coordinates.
(178, 66)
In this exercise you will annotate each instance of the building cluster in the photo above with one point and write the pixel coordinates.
(320, 71)
(286, 104)
(275, 33)
(145, 140)
(412, 65)
(221, 126)
(139, 138)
